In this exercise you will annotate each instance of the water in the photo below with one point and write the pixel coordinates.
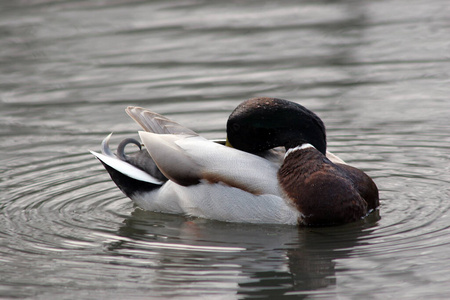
(377, 73)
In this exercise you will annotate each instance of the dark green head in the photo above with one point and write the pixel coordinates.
(260, 124)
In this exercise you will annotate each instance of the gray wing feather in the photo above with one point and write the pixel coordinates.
(156, 123)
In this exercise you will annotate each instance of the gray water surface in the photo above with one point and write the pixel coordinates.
(376, 72)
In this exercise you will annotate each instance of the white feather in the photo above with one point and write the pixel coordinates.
(127, 169)
(335, 159)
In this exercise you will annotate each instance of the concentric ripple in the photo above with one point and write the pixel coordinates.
(71, 225)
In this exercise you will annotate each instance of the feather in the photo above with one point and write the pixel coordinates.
(156, 123)
(126, 169)
(189, 159)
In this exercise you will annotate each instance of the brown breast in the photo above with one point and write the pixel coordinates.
(326, 193)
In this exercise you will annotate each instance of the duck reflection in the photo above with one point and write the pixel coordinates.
(198, 256)
(310, 260)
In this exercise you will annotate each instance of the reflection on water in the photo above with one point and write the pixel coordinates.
(276, 260)
(375, 72)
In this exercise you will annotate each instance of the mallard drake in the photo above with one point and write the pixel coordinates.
(273, 168)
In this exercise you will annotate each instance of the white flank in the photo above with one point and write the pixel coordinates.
(218, 202)
(126, 169)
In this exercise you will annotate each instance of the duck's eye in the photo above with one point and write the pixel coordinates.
(236, 127)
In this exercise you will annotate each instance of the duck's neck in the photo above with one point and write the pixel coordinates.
(299, 161)
(294, 176)
(298, 148)
(297, 141)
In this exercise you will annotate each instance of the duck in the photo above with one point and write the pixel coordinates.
(273, 168)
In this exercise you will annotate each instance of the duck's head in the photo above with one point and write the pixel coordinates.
(260, 124)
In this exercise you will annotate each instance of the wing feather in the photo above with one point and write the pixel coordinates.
(156, 123)
(191, 159)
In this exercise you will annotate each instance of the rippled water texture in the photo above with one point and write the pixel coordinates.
(376, 72)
